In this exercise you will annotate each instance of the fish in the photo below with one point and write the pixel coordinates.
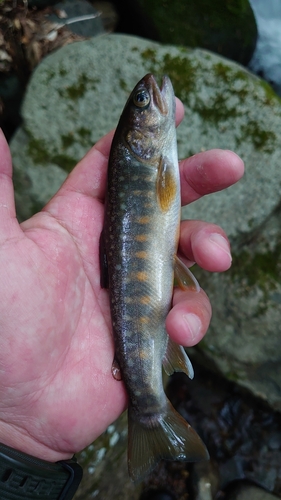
(139, 263)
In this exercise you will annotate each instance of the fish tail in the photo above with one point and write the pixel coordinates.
(167, 437)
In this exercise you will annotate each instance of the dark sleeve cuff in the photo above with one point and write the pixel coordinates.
(25, 477)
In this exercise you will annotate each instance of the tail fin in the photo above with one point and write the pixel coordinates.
(168, 437)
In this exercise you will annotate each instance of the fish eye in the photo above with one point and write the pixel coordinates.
(141, 99)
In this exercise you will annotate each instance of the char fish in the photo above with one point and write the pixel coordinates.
(138, 265)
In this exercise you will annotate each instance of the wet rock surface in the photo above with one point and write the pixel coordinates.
(242, 434)
(244, 335)
(247, 492)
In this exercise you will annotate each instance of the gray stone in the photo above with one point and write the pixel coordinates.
(77, 94)
(247, 492)
(244, 335)
(204, 480)
(35, 183)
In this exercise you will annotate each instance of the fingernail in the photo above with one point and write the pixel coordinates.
(221, 242)
(194, 325)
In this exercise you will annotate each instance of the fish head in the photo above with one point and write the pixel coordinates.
(148, 120)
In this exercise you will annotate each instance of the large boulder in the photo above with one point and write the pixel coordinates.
(77, 94)
(227, 28)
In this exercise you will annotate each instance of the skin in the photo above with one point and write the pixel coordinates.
(57, 393)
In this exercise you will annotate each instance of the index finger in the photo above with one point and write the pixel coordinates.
(208, 172)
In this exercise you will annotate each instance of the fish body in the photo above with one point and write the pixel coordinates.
(138, 257)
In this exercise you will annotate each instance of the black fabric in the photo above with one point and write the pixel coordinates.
(25, 477)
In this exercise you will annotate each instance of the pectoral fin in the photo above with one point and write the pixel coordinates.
(176, 360)
(184, 277)
(166, 184)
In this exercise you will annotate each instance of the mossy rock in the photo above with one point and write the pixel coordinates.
(244, 336)
(77, 94)
(227, 27)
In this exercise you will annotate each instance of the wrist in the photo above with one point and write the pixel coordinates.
(19, 439)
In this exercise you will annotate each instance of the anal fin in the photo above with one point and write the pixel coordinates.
(176, 360)
(184, 277)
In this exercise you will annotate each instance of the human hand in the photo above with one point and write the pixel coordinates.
(57, 393)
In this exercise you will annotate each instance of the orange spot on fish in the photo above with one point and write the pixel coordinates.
(145, 299)
(144, 320)
(141, 237)
(143, 354)
(142, 276)
(141, 255)
(143, 220)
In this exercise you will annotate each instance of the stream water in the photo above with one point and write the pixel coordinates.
(266, 60)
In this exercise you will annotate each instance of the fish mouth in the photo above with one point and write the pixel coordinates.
(162, 96)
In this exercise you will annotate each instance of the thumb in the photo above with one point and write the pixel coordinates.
(8, 222)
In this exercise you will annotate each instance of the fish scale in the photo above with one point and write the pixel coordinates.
(138, 262)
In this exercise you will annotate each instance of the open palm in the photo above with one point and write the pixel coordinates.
(57, 393)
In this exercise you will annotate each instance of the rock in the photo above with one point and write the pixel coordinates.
(77, 17)
(77, 94)
(205, 480)
(248, 492)
(222, 27)
(244, 336)
(105, 473)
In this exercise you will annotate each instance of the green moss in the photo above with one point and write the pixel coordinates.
(62, 71)
(123, 84)
(217, 109)
(262, 269)
(182, 23)
(182, 74)
(64, 161)
(270, 98)
(37, 151)
(257, 273)
(67, 140)
(78, 89)
(84, 132)
(149, 55)
(263, 140)
(229, 75)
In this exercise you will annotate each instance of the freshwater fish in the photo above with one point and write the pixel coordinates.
(138, 258)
